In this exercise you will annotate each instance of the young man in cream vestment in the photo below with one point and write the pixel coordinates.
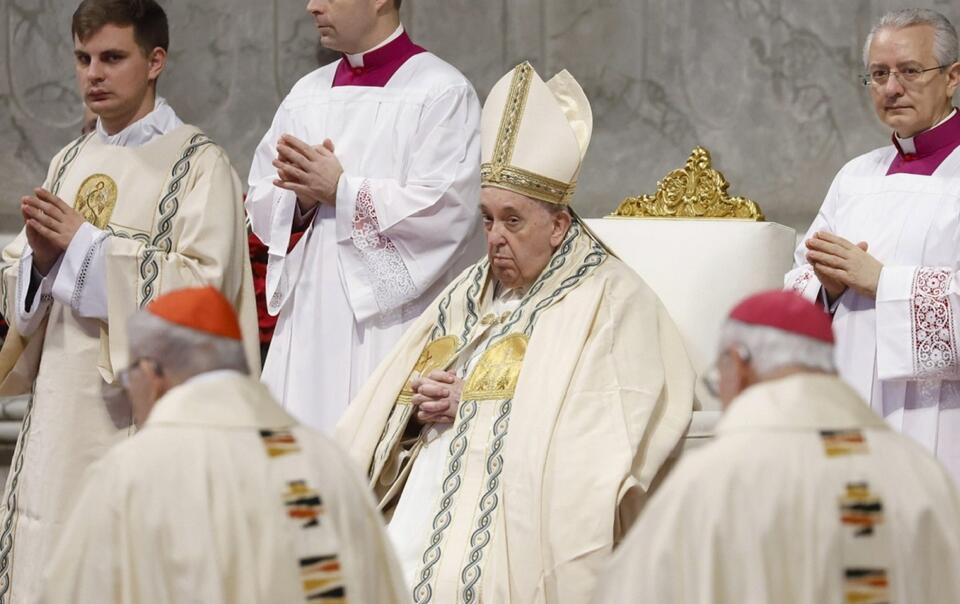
(883, 252)
(222, 497)
(143, 205)
(805, 496)
(513, 433)
(375, 161)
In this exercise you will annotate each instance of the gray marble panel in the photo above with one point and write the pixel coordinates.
(769, 86)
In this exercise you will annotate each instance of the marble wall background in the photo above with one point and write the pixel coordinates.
(769, 86)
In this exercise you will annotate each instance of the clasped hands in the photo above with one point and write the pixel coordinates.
(313, 173)
(436, 397)
(840, 264)
(50, 227)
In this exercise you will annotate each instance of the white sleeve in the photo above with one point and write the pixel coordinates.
(396, 238)
(270, 209)
(917, 322)
(82, 280)
(29, 319)
(801, 278)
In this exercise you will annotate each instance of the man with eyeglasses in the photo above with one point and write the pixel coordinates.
(883, 251)
(805, 496)
(221, 497)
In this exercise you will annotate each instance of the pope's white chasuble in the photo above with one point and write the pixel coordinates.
(573, 398)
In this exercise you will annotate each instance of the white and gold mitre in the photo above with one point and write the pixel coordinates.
(535, 135)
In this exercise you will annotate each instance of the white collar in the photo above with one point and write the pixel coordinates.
(220, 399)
(158, 122)
(357, 59)
(908, 146)
(804, 401)
(503, 294)
(211, 376)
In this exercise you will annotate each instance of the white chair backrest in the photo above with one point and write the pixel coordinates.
(700, 269)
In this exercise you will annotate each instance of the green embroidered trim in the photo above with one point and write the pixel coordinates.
(141, 237)
(423, 592)
(65, 162)
(6, 536)
(168, 208)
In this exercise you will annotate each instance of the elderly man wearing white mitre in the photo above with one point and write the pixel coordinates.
(805, 496)
(513, 432)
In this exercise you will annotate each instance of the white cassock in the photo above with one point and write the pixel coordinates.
(164, 211)
(900, 353)
(804, 497)
(406, 213)
(222, 498)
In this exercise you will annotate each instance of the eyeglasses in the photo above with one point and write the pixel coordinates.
(123, 376)
(711, 377)
(878, 77)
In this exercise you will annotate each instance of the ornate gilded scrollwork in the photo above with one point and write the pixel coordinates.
(695, 191)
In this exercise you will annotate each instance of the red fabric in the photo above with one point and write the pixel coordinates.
(202, 309)
(786, 311)
(258, 262)
(378, 65)
(933, 146)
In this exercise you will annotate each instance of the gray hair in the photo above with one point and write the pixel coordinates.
(181, 351)
(771, 349)
(945, 45)
(553, 208)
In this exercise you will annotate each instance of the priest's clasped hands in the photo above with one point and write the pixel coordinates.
(436, 397)
(50, 227)
(313, 173)
(840, 264)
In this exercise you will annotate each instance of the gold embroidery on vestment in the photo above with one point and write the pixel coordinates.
(436, 355)
(498, 371)
(96, 199)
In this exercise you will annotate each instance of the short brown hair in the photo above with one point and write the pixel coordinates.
(149, 21)
(397, 3)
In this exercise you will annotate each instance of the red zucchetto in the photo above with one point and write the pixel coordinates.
(202, 309)
(787, 312)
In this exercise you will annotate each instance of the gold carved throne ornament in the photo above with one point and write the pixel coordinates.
(695, 191)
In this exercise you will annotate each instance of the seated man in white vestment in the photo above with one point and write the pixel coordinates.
(805, 496)
(142, 205)
(222, 497)
(514, 432)
(364, 191)
(883, 252)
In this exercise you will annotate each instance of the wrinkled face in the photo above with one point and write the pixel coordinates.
(114, 76)
(345, 25)
(522, 235)
(910, 107)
